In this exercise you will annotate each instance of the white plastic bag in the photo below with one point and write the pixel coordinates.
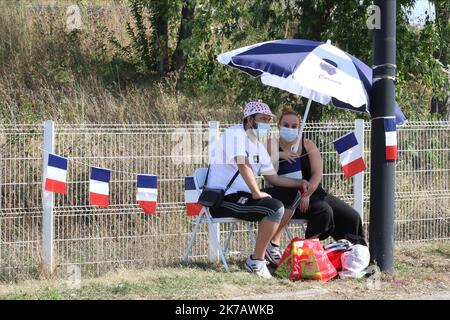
(354, 261)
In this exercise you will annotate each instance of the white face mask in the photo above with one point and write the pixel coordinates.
(261, 130)
(288, 134)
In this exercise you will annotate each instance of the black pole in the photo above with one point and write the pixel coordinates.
(382, 173)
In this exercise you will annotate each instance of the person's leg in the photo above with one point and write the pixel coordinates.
(266, 231)
(268, 211)
(273, 210)
(268, 225)
(276, 239)
(347, 221)
(288, 196)
(320, 219)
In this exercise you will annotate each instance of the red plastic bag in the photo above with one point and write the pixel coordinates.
(335, 259)
(305, 259)
(335, 250)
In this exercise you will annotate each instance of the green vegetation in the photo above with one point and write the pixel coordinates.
(148, 61)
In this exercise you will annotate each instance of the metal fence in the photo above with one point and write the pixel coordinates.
(99, 239)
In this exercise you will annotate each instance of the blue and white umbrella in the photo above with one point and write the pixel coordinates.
(318, 71)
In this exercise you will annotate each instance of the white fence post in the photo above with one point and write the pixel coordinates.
(213, 136)
(358, 182)
(47, 199)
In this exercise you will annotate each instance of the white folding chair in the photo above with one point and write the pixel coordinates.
(300, 222)
(205, 217)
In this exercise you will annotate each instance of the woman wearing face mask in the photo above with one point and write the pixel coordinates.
(326, 214)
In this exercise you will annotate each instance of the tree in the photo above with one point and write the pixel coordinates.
(159, 16)
(150, 36)
(440, 102)
(180, 55)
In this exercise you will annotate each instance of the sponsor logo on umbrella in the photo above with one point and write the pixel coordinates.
(329, 67)
(325, 77)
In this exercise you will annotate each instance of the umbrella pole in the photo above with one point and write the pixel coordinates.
(302, 127)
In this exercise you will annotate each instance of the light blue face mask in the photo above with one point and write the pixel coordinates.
(262, 129)
(288, 134)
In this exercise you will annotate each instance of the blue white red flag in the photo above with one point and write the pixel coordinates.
(147, 192)
(56, 178)
(99, 187)
(390, 138)
(191, 195)
(350, 154)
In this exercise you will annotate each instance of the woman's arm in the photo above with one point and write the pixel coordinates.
(280, 181)
(315, 161)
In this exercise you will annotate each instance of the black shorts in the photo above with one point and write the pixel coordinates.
(242, 206)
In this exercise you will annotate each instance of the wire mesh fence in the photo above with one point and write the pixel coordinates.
(98, 239)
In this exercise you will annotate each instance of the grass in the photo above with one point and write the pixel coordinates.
(420, 269)
(174, 282)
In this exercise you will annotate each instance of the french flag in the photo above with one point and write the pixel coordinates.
(147, 192)
(191, 195)
(56, 178)
(99, 187)
(390, 138)
(350, 154)
(291, 170)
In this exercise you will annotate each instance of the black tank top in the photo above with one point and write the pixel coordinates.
(306, 168)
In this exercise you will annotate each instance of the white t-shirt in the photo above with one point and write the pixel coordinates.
(232, 143)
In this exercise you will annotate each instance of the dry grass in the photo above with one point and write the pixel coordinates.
(79, 77)
(421, 269)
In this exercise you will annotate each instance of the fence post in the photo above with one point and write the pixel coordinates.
(358, 182)
(213, 136)
(47, 199)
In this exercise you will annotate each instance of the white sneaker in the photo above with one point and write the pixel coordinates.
(258, 266)
(273, 254)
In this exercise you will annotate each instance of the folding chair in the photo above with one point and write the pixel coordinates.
(214, 223)
(301, 222)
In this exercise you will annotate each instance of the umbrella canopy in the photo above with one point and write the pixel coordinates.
(316, 70)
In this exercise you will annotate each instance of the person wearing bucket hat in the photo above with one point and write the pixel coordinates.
(236, 159)
(259, 115)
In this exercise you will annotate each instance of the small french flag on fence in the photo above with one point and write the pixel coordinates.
(56, 178)
(147, 192)
(390, 138)
(191, 195)
(350, 154)
(99, 187)
(291, 170)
